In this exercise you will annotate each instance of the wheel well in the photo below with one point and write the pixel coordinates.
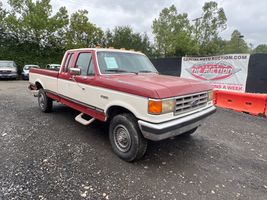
(38, 85)
(115, 110)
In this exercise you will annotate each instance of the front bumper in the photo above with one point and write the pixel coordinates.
(175, 127)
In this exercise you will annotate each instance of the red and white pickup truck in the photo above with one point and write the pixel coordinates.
(124, 89)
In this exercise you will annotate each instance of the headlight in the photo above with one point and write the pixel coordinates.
(210, 95)
(157, 107)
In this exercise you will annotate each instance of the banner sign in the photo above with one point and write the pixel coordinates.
(225, 72)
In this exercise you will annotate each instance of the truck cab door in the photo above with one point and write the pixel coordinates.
(81, 89)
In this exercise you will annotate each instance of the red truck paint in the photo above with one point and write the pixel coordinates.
(44, 72)
(186, 102)
(146, 85)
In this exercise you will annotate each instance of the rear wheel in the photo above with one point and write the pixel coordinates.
(126, 138)
(45, 103)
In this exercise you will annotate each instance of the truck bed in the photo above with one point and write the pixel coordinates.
(47, 78)
(46, 72)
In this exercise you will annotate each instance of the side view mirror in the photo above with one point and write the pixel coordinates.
(75, 71)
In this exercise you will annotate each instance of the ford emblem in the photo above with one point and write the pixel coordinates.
(194, 103)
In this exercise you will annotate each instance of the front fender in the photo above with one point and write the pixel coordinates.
(125, 105)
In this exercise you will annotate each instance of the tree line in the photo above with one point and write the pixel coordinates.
(30, 32)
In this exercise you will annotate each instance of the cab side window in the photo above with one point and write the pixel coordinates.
(84, 63)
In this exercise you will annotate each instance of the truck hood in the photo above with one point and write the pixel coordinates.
(154, 85)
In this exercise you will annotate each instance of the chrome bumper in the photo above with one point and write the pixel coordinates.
(175, 127)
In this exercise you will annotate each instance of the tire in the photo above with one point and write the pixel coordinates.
(126, 138)
(189, 133)
(45, 103)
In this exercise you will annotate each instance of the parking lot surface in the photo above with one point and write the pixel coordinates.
(50, 156)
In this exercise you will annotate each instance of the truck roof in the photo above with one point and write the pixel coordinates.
(108, 49)
(30, 65)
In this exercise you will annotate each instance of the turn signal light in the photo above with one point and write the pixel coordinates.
(154, 107)
(157, 107)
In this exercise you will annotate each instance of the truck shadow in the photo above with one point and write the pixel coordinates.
(96, 130)
(178, 149)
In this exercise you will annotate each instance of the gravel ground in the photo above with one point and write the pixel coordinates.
(50, 156)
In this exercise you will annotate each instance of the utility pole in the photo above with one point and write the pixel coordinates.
(1, 30)
(197, 23)
(1, 34)
(238, 42)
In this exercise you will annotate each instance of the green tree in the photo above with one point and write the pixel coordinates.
(208, 27)
(81, 32)
(2, 13)
(173, 33)
(236, 44)
(33, 21)
(61, 21)
(33, 34)
(262, 48)
(2, 20)
(124, 37)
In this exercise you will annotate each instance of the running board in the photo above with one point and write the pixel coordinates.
(79, 118)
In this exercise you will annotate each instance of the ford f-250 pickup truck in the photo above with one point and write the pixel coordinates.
(123, 88)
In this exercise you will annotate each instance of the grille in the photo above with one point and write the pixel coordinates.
(5, 72)
(191, 102)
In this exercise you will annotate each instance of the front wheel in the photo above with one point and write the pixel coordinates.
(45, 103)
(126, 138)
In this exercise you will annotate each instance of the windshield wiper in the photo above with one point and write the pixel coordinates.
(119, 70)
(146, 71)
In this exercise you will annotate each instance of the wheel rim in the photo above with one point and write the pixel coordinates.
(122, 138)
(42, 101)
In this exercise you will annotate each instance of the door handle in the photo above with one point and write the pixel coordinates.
(73, 79)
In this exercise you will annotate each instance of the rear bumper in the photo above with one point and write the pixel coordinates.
(175, 127)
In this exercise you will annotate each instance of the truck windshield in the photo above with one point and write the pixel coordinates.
(6, 64)
(121, 62)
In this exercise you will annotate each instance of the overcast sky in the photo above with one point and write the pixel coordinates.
(248, 16)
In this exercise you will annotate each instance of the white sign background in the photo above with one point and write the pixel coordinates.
(224, 72)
